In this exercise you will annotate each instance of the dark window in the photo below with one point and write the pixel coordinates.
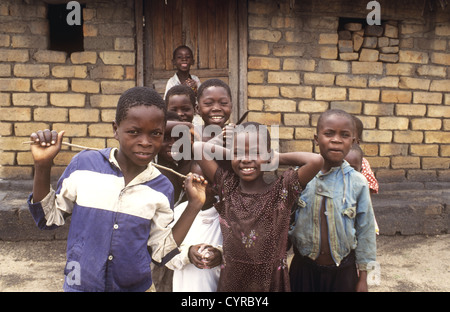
(64, 37)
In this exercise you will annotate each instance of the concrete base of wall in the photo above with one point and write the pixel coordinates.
(400, 208)
(413, 208)
(16, 222)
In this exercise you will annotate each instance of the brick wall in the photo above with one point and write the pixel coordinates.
(296, 71)
(78, 93)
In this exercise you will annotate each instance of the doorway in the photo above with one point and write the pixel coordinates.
(215, 30)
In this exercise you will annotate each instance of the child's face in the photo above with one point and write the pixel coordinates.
(354, 159)
(140, 135)
(166, 147)
(181, 104)
(334, 138)
(248, 158)
(214, 106)
(183, 60)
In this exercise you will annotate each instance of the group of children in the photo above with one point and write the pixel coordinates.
(223, 228)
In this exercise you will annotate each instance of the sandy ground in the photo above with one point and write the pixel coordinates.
(407, 264)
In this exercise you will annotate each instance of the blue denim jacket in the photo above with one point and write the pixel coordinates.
(349, 215)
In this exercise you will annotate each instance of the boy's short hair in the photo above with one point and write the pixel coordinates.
(138, 96)
(213, 83)
(181, 90)
(179, 48)
(337, 112)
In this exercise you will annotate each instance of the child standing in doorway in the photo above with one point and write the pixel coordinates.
(334, 233)
(255, 214)
(183, 59)
(120, 204)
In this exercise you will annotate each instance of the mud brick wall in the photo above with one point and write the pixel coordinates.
(42, 88)
(371, 43)
(296, 70)
(395, 78)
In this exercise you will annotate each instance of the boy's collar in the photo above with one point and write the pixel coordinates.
(148, 174)
(345, 166)
(112, 157)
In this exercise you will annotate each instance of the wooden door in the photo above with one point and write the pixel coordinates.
(210, 28)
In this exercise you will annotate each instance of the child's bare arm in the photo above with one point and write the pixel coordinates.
(210, 193)
(47, 146)
(172, 123)
(309, 163)
(361, 285)
(195, 189)
(205, 153)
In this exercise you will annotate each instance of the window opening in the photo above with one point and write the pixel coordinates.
(64, 37)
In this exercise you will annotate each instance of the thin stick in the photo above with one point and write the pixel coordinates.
(69, 144)
(97, 149)
(242, 118)
(169, 169)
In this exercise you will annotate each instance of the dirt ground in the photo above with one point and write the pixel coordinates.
(407, 264)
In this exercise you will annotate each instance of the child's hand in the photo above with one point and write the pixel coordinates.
(212, 257)
(191, 83)
(204, 256)
(195, 186)
(195, 256)
(47, 145)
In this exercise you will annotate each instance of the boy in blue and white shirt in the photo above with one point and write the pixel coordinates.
(120, 204)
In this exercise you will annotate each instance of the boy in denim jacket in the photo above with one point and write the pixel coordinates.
(334, 233)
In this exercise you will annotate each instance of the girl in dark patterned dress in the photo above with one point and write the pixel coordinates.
(255, 214)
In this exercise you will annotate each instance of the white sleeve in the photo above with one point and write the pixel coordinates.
(161, 239)
(171, 83)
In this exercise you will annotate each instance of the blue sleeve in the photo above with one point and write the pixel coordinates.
(365, 228)
(37, 209)
(37, 212)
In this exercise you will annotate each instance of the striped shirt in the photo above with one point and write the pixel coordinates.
(111, 223)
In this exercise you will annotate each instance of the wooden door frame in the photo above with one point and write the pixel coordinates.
(237, 56)
(139, 23)
(237, 52)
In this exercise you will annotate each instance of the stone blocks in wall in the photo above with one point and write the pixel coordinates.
(369, 44)
(76, 92)
(394, 77)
